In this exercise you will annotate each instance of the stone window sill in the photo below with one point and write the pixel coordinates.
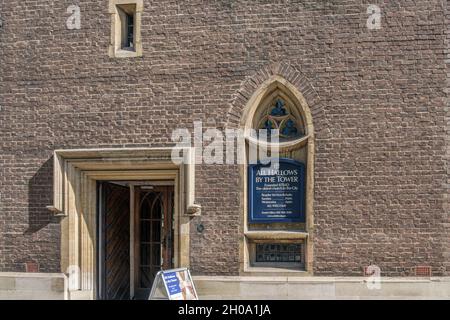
(274, 272)
(276, 235)
(126, 54)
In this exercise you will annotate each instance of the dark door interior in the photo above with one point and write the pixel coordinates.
(114, 246)
(153, 243)
(155, 236)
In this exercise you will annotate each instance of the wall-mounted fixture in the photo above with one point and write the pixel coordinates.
(200, 228)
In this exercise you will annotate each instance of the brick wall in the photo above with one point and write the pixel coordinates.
(447, 139)
(380, 151)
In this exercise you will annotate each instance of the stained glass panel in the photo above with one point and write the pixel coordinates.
(279, 115)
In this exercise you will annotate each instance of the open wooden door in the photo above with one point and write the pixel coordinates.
(126, 273)
(114, 244)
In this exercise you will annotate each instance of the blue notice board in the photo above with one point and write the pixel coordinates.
(173, 283)
(276, 195)
(178, 283)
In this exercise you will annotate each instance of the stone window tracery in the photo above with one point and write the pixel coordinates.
(279, 114)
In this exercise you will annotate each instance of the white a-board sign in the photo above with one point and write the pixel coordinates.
(174, 284)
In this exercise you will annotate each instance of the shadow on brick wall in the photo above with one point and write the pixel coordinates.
(40, 195)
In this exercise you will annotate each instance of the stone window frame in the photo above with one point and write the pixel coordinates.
(115, 50)
(251, 109)
(76, 172)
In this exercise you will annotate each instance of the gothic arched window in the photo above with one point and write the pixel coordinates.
(278, 217)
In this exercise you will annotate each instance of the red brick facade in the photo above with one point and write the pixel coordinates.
(378, 99)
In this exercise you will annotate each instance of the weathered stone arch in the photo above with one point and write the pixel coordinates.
(263, 76)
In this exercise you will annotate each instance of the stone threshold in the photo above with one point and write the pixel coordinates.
(318, 279)
(31, 275)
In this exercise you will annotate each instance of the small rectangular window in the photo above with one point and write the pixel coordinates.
(126, 28)
(274, 254)
(129, 33)
(126, 14)
(278, 252)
